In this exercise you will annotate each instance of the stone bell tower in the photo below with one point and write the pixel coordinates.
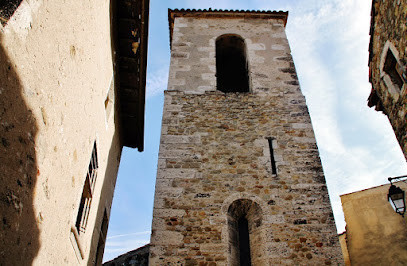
(239, 177)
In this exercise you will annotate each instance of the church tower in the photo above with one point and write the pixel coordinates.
(239, 179)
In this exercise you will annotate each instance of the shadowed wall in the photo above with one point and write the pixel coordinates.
(19, 235)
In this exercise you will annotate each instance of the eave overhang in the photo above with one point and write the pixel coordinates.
(131, 68)
(373, 99)
(371, 33)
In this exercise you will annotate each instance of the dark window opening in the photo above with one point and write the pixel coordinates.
(7, 9)
(391, 67)
(231, 64)
(273, 161)
(102, 240)
(244, 222)
(244, 242)
(87, 193)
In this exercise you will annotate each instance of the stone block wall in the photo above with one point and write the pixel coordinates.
(215, 153)
(137, 257)
(389, 31)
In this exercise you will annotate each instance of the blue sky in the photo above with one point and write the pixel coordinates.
(329, 41)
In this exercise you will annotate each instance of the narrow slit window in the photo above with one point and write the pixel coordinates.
(231, 64)
(102, 240)
(87, 193)
(109, 101)
(244, 223)
(272, 159)
(244, 242)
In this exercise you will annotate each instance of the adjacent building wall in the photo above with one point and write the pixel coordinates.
(389, 34)
(215, 153)
(375, 233)
(138, 257)
(344, 248)
(56, 71)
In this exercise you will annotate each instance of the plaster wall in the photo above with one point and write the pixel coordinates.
(214, 150)
(344, 248)
(375, 233)
(56, 70)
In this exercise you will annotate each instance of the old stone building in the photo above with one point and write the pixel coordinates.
(239, 178)
(137, 257)
(72, 82)
(387, 64)
(375, 233)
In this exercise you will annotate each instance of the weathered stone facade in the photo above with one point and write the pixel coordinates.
(137, 257)
(215, 153)
(387, 63)
(375, 233)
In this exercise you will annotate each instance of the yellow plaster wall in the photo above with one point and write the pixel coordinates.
(376, 235)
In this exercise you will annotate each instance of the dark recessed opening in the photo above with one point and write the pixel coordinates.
(390, 67)
(244, 221)
(273, 160)
(7, 9)
(231, 64)
(102, 240)
(244, 242)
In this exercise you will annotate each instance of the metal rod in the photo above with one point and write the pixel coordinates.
(273, 161)
(396, 177)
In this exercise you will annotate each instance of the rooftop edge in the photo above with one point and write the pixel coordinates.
(220, 13)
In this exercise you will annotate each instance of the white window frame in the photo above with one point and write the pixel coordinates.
(392, 88)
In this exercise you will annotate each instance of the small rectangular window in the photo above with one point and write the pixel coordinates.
(109, 101)
(102, 240)
(87, 193)
(392, 68)
(273, 161)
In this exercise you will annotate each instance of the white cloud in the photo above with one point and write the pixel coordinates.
(130, 234)
(157, 82)
(330, 49)
(118, 244)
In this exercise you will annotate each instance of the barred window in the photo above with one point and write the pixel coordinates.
(87, 193)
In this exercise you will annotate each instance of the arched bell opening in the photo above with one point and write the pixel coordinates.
(232, 73)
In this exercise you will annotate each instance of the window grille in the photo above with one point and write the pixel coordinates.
(87, 193)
